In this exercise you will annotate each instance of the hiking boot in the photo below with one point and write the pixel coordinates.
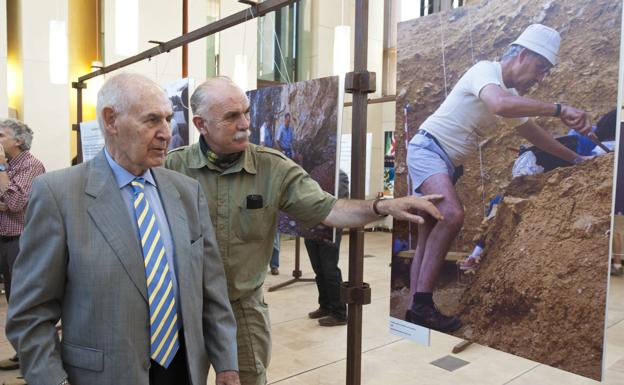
(10, 363)
(319, 313)
(617, 271)
(430, 317)
(330, 320)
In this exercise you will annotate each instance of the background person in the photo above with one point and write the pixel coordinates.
(324, 257)
(284, 137)
(18, 168)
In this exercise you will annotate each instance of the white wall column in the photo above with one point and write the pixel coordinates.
(4, 99)
(241, 40)
(45, 105)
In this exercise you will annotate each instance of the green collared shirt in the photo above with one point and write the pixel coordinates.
(245, 236)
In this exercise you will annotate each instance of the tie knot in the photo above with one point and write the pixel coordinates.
(138, 185)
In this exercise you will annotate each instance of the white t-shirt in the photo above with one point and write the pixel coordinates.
(463, 119)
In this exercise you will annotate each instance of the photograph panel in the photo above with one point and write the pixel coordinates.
(300, 121)
(537, 229)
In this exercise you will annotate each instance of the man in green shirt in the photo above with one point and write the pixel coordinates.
(246, 186)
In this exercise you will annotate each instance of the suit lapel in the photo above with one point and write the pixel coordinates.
(110, 215)
(170, 198)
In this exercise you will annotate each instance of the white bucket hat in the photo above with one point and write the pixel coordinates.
(542, 40)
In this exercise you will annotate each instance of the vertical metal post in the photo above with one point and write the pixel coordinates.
(79, 86)
(358, 155)
(184, 32)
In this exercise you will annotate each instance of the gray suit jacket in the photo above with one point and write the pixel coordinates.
(80, 261)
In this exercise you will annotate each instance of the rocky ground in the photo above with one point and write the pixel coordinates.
(540, 289)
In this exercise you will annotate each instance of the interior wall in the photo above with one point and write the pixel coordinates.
(241, 39)
(159, 20)
(316, 61)
(14, 58)
(45, 105)
(82, 49)
(380, 119)
(198, 17)
(4, 97)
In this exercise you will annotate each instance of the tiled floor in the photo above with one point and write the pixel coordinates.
(307, 354)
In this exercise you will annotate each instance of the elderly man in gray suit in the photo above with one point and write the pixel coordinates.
(123, 251)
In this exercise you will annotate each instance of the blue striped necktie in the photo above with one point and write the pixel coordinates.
(163, 314)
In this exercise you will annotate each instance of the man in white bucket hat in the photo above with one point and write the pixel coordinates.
(487, 92)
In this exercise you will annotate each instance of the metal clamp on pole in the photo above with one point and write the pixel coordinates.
(79, 85)
(360, 82)
(359, 295)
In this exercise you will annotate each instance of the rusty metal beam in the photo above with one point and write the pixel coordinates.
(257, 10)
(239, 17)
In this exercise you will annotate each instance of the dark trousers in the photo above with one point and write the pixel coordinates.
(176, 373)
(324, 260)
(9, 248)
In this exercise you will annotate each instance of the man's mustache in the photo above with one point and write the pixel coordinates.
(242, 135)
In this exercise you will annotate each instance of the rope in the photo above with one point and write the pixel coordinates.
(443, 56)
(477, 137)
(279, 48)
(409, 179)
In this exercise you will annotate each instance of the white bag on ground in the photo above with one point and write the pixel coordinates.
(526, 164)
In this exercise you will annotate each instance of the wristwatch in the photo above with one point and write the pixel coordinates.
(3, 167)
(379, 198)
(558, 110)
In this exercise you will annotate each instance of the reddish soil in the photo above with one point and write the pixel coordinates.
(540, 289)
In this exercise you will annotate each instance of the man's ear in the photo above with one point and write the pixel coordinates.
(109, 120)
(200, 124)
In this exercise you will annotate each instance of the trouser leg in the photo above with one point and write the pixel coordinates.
(253, 337)
(8, 254)
(332, 276)
(314, 252)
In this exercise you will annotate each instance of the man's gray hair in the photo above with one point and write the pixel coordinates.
(512, 51)
(118, 92)
(515, 49)
(201, 100)
(20, 132)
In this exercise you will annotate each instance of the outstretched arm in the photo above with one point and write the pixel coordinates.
(505, 104)
(357, 213)
(542, 139)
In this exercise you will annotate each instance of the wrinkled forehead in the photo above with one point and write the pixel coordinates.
(229, 98)
(150, 100)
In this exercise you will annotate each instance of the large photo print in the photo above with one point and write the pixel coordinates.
(508, 110)
(300, 120)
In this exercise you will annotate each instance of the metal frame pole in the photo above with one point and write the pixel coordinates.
(355, 292)
(256, 10)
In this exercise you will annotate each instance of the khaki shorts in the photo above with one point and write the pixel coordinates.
(426, 158)
(253, 337)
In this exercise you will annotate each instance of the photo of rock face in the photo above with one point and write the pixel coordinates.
(177, 92)
(300, 120)
(538, 288)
